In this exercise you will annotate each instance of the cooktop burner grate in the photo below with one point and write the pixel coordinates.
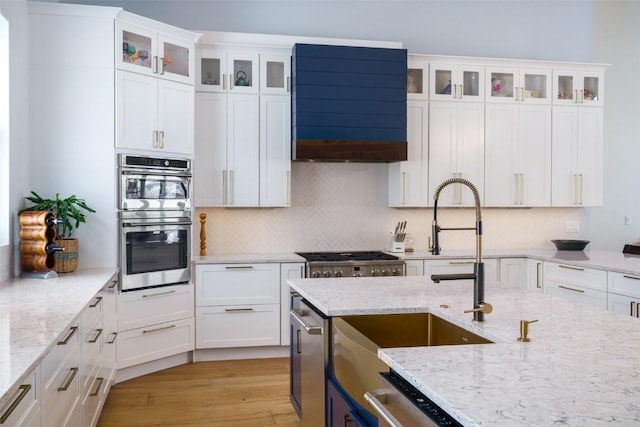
(347, 256)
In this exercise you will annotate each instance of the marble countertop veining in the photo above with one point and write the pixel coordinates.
(582, 366)
(33, 313)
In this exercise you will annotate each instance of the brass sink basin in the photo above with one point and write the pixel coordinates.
(356, 340)
(411, 330)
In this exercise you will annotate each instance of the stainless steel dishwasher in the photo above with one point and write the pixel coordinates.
(309, 361)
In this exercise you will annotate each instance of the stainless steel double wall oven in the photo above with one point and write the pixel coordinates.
(155, 215)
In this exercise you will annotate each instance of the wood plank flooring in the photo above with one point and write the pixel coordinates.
(222, 393)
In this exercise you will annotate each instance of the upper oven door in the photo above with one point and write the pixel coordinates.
(154, 252)
(154, 190)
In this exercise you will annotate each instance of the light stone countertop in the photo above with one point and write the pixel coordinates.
(248, 258)
(33, 313)
(581, 368)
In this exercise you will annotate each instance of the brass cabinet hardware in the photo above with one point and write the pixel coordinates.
(24, 389)
(67, 383)
(571, 289)
(97, 301)
(237, 310)
(485, 308)
(147, 331)
(569, 267)
(239, 267)
(98, 333)
(113, 284)
(460, 262)
(444, 305)
(113, 340)
(65, 341)
(538, 266)
(524, 330)
(158, 294)
(99, 382)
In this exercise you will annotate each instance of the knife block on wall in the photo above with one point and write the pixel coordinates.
(37, 234)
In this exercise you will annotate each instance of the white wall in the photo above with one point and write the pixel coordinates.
(616, 41)
(15, 12)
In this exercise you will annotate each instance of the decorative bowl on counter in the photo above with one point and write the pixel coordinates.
(570, 245)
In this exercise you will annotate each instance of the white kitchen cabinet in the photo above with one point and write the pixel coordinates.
(513, 271)
(417, 77)
(450, 81)
(408, 180)
(518, 85)
(624, 294)
(154, 323)
(275, 74)
(23, 409)
(294, 270)
(584, 285)
(275, 151)
(578, 87)
(147, 47)
(517, 155)
(534, 275)
(577, 156)
(456, 150)
(109, 334)
(414, 267)
(461, 266)
(154, 114)
(238, 305)
(222, 70)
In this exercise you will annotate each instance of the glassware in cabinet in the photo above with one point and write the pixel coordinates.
(222, 71)
(578, 87)
(508, 84)
(456, 82)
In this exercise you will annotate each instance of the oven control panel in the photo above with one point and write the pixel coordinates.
(357, 270)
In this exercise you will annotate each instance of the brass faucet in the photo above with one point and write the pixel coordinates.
(479, 305)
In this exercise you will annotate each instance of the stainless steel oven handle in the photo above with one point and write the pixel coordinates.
(376, 399)
(150, 224)
(311, 330)
(157, 173)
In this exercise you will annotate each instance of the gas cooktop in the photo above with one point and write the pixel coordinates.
(347, 256)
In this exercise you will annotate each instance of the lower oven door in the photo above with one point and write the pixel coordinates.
(155, 252)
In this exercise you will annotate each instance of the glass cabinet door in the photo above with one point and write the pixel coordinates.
(243, 73)
(211, 70)
(275, 74)
(456, 82)
(417, 77)
(575, 87)
(175, 60)
(535, 86)
(135, 49)
(511, 85)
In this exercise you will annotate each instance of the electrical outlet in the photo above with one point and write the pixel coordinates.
(572, 226)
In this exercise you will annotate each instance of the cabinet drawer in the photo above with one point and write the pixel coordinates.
(624, 284)
(91, 353)
(577, 293)
(575, 276)
(52, 364)
(62, 400)
(91, 400)
(25, 400)
(91, 313)
(154, 342)
(236, 284)
(154, 306)
(238, 326)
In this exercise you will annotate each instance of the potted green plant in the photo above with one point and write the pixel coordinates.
(71, 213)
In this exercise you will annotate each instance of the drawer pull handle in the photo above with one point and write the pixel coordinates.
(571, 289)
(72, 330)
(99, 332)
(24, 389)
(113, 340)
(377, 399)
(148, 331)
(113, 284)
(99, 382)
(158, 294)
(631, 305)
(460, 262)
(631, 277)
(95, 304)
(236, 310)
(568, 267)
(239, 267)
(65, 386)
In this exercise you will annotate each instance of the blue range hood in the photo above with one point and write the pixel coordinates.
(349, 104)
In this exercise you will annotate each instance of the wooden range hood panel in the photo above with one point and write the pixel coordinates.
(349, 104)
(319, 150)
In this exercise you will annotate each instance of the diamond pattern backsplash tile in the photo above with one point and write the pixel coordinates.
(344, 206)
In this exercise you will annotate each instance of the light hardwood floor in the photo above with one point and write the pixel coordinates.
(225, 393)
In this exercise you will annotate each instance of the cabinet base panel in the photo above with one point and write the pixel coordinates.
(213, 354)
(153, 366)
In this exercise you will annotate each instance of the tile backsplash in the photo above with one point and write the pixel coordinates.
(344, 206)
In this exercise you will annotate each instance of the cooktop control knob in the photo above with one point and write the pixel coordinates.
(315, 274)
(338, 273)
(326, 273)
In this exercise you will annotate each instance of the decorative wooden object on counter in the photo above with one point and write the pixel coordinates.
(37, 244)
(203, 234)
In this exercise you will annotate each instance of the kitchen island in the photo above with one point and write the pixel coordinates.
(581, 367)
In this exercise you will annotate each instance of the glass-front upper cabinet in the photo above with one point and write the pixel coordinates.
(417, 77)
(145, 51)
(222, 71)
(578, 87)
(276, 74)
(508, 85)
(456, 82)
